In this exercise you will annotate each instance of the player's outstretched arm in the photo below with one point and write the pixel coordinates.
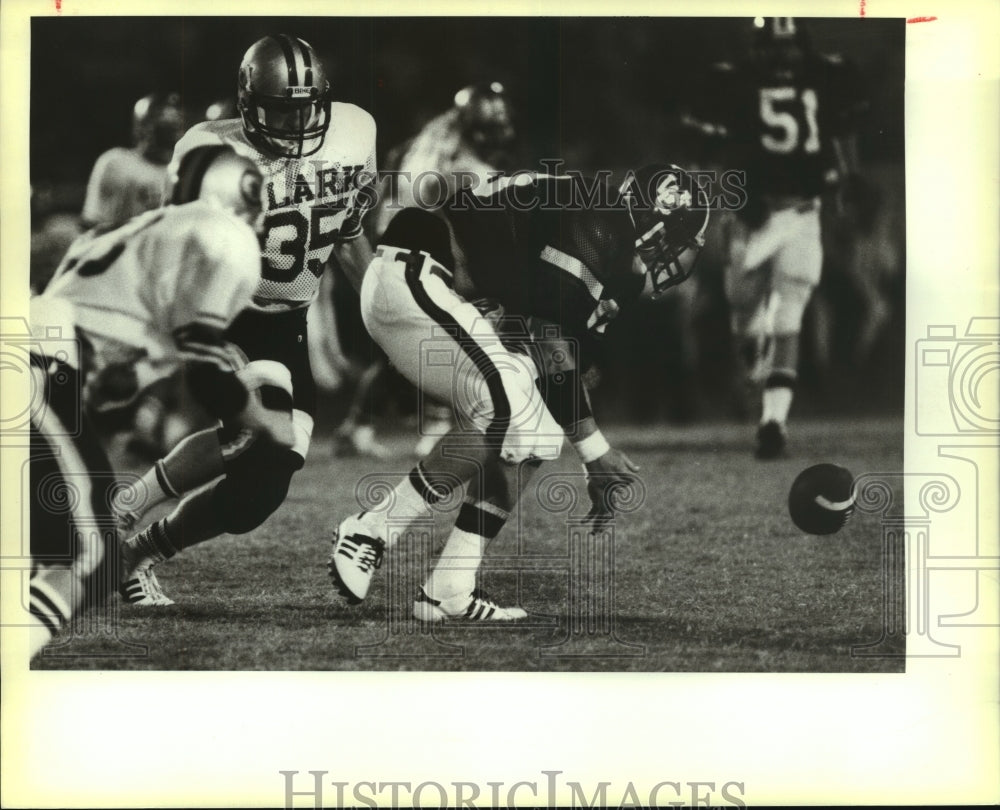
(608, 469)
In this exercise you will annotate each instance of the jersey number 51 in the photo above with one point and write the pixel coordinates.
(790, 114)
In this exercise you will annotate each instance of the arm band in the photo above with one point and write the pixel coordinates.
(592, 448)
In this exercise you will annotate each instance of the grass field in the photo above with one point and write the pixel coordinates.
(709, 575)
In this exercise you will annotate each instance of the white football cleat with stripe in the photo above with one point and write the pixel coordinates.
(478, 607)
(355, 557)
(139, 585)
(143, 588)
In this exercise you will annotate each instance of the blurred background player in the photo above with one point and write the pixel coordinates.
(131, 305)
(317, 159)
(222, 109)
(471, 142)
(125, 182)
(537, 255)
(785, 116)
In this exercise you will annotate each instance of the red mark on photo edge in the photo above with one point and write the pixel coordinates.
(58, 5)
(921, 19)
(861, 8)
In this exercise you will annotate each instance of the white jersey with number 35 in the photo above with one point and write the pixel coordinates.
(310, 204)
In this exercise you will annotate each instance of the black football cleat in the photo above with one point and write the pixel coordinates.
(771, 440)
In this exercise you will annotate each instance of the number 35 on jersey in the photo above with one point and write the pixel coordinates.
(311, 203)
(301, 228)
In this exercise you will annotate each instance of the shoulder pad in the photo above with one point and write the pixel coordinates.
(350, 115)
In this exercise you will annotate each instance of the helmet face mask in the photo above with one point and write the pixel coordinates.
(666, 264)
(283, 97)
(670, 214)
(287, 130)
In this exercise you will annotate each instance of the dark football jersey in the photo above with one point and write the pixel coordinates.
(779, 121)
(537, 248)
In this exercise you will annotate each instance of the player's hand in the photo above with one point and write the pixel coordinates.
(607, 479)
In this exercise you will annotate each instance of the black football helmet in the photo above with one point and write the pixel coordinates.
(157, 124)
(669, 212)
(221, 109)
(283, 97)
(485, 117)
(780, 41)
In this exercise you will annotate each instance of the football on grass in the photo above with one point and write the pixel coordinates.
(821, 499)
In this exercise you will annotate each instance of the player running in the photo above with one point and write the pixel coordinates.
(783, 116)
(317, 158)
(127, 308)
(532, 253)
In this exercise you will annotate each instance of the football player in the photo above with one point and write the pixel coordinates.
(326, 356)
(317, 158)
(469, 143)
(127, 182)
(127, 308)
(784, 116)
(530, 252)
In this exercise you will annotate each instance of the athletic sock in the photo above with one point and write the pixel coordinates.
(50, 611)
(151, 489)
(456, 569)
(411, 499)
(152, 544)
(779, 390)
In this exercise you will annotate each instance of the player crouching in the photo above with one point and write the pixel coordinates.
(134, 304)
(564, 271)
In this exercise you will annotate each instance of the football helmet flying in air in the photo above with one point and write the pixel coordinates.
(157, 124)
(669, 212)
(223, 179)
(283, 97)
